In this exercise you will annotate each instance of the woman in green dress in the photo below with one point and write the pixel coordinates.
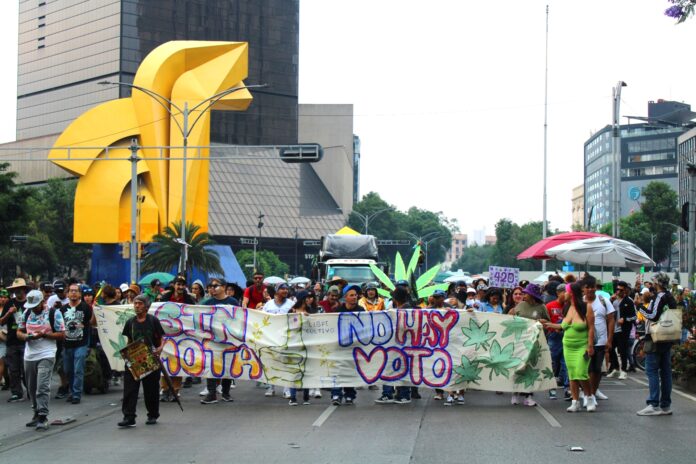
(578, 344)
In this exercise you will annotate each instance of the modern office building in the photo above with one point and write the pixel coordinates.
(686, 153)
(648, 152)
(66, 47)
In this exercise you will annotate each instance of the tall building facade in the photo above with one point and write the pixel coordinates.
(686, 152)
(648, 152)
(459, 243)
(578, 205)
(66, 47)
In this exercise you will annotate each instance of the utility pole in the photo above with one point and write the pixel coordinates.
(616, 152)
(134, 211)
(691, 168)
(544, 230)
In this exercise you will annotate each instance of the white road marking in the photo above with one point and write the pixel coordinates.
(547, 415)
(682, 394)
(324, 415)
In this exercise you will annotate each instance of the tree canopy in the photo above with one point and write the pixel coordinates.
(266, 261)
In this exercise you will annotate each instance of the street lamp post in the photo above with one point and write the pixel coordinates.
(691, 168)
(258, 238)
(366, 217)
(424, 242)
(616, 155)
(185, 130)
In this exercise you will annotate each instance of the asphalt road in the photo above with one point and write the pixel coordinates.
(266, 430)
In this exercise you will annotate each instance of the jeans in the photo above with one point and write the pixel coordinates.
(74, 367)
(347, 392)
(211, 385)
(39, 375)
(658, 368)
(555, 341)
(305, 394)
(401, 392)
(15, 367)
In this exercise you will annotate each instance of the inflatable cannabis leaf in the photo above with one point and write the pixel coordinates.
(421, 287)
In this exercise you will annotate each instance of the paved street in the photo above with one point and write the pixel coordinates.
(259, 429)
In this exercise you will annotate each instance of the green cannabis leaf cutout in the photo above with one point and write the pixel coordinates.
(500, 360)
(528, 376)
(477, 335)
(468, 371)
(515, 326)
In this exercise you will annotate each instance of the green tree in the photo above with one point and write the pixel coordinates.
(512, 239)
(475, 259)
(266, 261)
(166, 253)
(13, 205)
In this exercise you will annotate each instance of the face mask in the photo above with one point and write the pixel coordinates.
(461, 295)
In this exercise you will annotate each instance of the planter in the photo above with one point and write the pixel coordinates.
(688, 384)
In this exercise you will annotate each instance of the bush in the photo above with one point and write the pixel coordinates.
(684, 360)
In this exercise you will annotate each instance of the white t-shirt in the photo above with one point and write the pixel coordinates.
(601, 311)
(272, 307)
(41, 348)
(53, 298)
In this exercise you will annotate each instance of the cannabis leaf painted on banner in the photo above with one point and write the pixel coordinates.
(468, 371)
(548, 373)
(528, 376)
(477, 335)
(119, 344)
(500, 360)
(534, 352)
(516, 326)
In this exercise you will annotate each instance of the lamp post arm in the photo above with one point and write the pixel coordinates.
(210, 101)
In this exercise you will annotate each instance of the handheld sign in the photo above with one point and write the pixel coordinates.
(503, 277)
(140, 360)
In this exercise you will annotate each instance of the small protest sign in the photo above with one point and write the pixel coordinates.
(503, 277)
(140, 360)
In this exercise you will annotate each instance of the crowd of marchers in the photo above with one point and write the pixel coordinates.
(589, 327)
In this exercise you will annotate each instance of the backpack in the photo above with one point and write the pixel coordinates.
(51, 318)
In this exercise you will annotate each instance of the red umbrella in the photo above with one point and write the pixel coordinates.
(538, 250)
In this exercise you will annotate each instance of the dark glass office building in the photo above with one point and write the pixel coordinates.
(66, 48)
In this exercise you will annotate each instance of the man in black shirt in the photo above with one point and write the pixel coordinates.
(79, 319)
(11, 315)
(145, 327)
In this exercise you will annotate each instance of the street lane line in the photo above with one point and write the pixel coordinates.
(547, 415)
(688, 397)
(324, 415)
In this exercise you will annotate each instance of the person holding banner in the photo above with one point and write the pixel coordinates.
(350, 304)
(145, 327)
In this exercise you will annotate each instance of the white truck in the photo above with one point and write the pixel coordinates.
(349, 257)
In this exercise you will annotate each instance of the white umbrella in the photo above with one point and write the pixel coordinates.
(273, 280)
(601, 251)
(458, 277)
(299, 280)
(543, 277)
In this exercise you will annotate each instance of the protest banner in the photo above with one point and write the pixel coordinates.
(421, 347)
(503, 277)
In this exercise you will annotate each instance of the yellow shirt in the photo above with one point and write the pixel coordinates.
(378, 306)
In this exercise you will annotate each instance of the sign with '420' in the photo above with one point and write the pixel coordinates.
(503, 277)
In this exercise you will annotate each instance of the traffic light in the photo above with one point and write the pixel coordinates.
(685, 216)
(305, 153)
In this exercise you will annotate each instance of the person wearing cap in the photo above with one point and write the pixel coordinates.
(532, 307)
(47, 289)
(79, 319)
(56, 300)
(554, 337)
(471, 302)
(371, 301)
(130, 293)
(218, 296)
(10, 317)
(40, 327)
(148, 329)
(481, 290)
(59, 297)
(658, 355)
(153, 292)
(625, 318)
(305, 305)
(253, 294)
(331, 302)
(279, 304)
(351, 293)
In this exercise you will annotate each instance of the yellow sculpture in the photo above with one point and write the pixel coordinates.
(182, 72)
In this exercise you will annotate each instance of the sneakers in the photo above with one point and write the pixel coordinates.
(270, 391)
(75, 401)
(33, 421)
(402, 400)
(204, 392)
(336, 400)
(210, 399)
(415, 395)
(612, 373)
(15, 399)
(552, 394)
(600, 396)
(116, 381)
(437, 397)
(42, 423)
(349, 401)
(286, 393)
(567, 396)
(591, 404)
(306, 402)
(623, 375)
(460, 399)
(316, 394)
(584, 399)
(226, 398)
(666, 411)
(151, 421)
(233, 384)
(449, 401)
(574, 406)
(515, 399)
(650, 410)
(127, 423)
(384, 399)
(188, 382)
(529, 401)
(292, 402)
(61, 393)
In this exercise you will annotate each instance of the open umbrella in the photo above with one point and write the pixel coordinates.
(538, 250)
(299, 280)
(273, 280)
(602, 251)
(457, 278)
(163, 277)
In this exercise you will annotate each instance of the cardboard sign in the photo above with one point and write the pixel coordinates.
(140, 360)
(503, 277)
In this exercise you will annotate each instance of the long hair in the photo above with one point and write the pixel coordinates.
(576, 300)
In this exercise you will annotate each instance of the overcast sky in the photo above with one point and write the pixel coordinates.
(449, 95)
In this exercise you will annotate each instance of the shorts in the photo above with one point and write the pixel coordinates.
(597, 360)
